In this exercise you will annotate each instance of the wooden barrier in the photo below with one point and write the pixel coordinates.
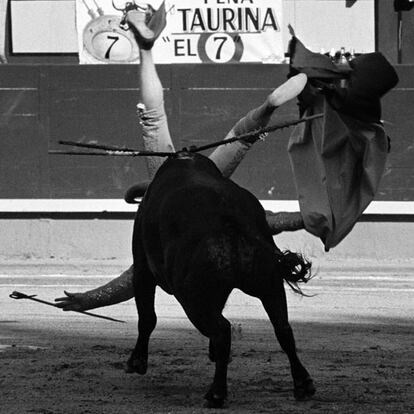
(41, 104)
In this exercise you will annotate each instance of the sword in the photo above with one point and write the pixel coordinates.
(19, 295)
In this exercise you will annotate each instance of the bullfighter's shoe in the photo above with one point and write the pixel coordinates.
(288, 90)
(147, 25)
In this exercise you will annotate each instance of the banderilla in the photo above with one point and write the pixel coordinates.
(111, 150)
(19, 295)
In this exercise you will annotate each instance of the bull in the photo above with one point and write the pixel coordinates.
(198, 236)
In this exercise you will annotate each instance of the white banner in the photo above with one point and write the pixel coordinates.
(3, 20)
(198, 31)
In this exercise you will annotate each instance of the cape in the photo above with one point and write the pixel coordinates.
(338, 160)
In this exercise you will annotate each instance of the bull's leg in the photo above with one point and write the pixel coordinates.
(276, 308)
(219, 350)
(205, 314)
(147, 319)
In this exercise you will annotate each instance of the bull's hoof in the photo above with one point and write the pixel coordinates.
(304, 390)
(138, 365)
(215, 399)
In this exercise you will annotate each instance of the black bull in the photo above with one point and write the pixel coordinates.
(198, 236)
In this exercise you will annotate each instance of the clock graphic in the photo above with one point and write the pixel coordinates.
(104, 41)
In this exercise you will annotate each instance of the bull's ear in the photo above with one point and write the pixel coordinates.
(136, 191)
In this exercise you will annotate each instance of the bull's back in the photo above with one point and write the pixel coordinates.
(189, 194)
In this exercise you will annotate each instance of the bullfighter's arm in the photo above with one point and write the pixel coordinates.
(117, 290)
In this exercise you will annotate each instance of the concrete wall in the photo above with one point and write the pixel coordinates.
(110, 240)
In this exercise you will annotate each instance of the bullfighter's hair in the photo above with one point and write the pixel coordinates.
(296, 269)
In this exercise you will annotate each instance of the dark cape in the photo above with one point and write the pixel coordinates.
(338, 160)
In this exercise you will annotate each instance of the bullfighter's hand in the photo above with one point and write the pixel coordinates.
(73, 301)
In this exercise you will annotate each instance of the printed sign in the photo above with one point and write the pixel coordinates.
(198, 31)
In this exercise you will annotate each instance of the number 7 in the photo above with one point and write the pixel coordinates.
(115, 39)
(223, 40)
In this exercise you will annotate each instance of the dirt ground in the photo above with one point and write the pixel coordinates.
(58, 363)
(356, 368)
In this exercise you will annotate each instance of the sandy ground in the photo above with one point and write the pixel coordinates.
(355, 337)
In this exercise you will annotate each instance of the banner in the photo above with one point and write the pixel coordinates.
(198, 31)
(3, 20)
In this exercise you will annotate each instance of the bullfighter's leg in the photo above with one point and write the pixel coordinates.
(276, 307)
(144, 286)
(228, 157)
(204, 311)
(151, 110)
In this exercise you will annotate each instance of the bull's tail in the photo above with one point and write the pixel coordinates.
(295, 269)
